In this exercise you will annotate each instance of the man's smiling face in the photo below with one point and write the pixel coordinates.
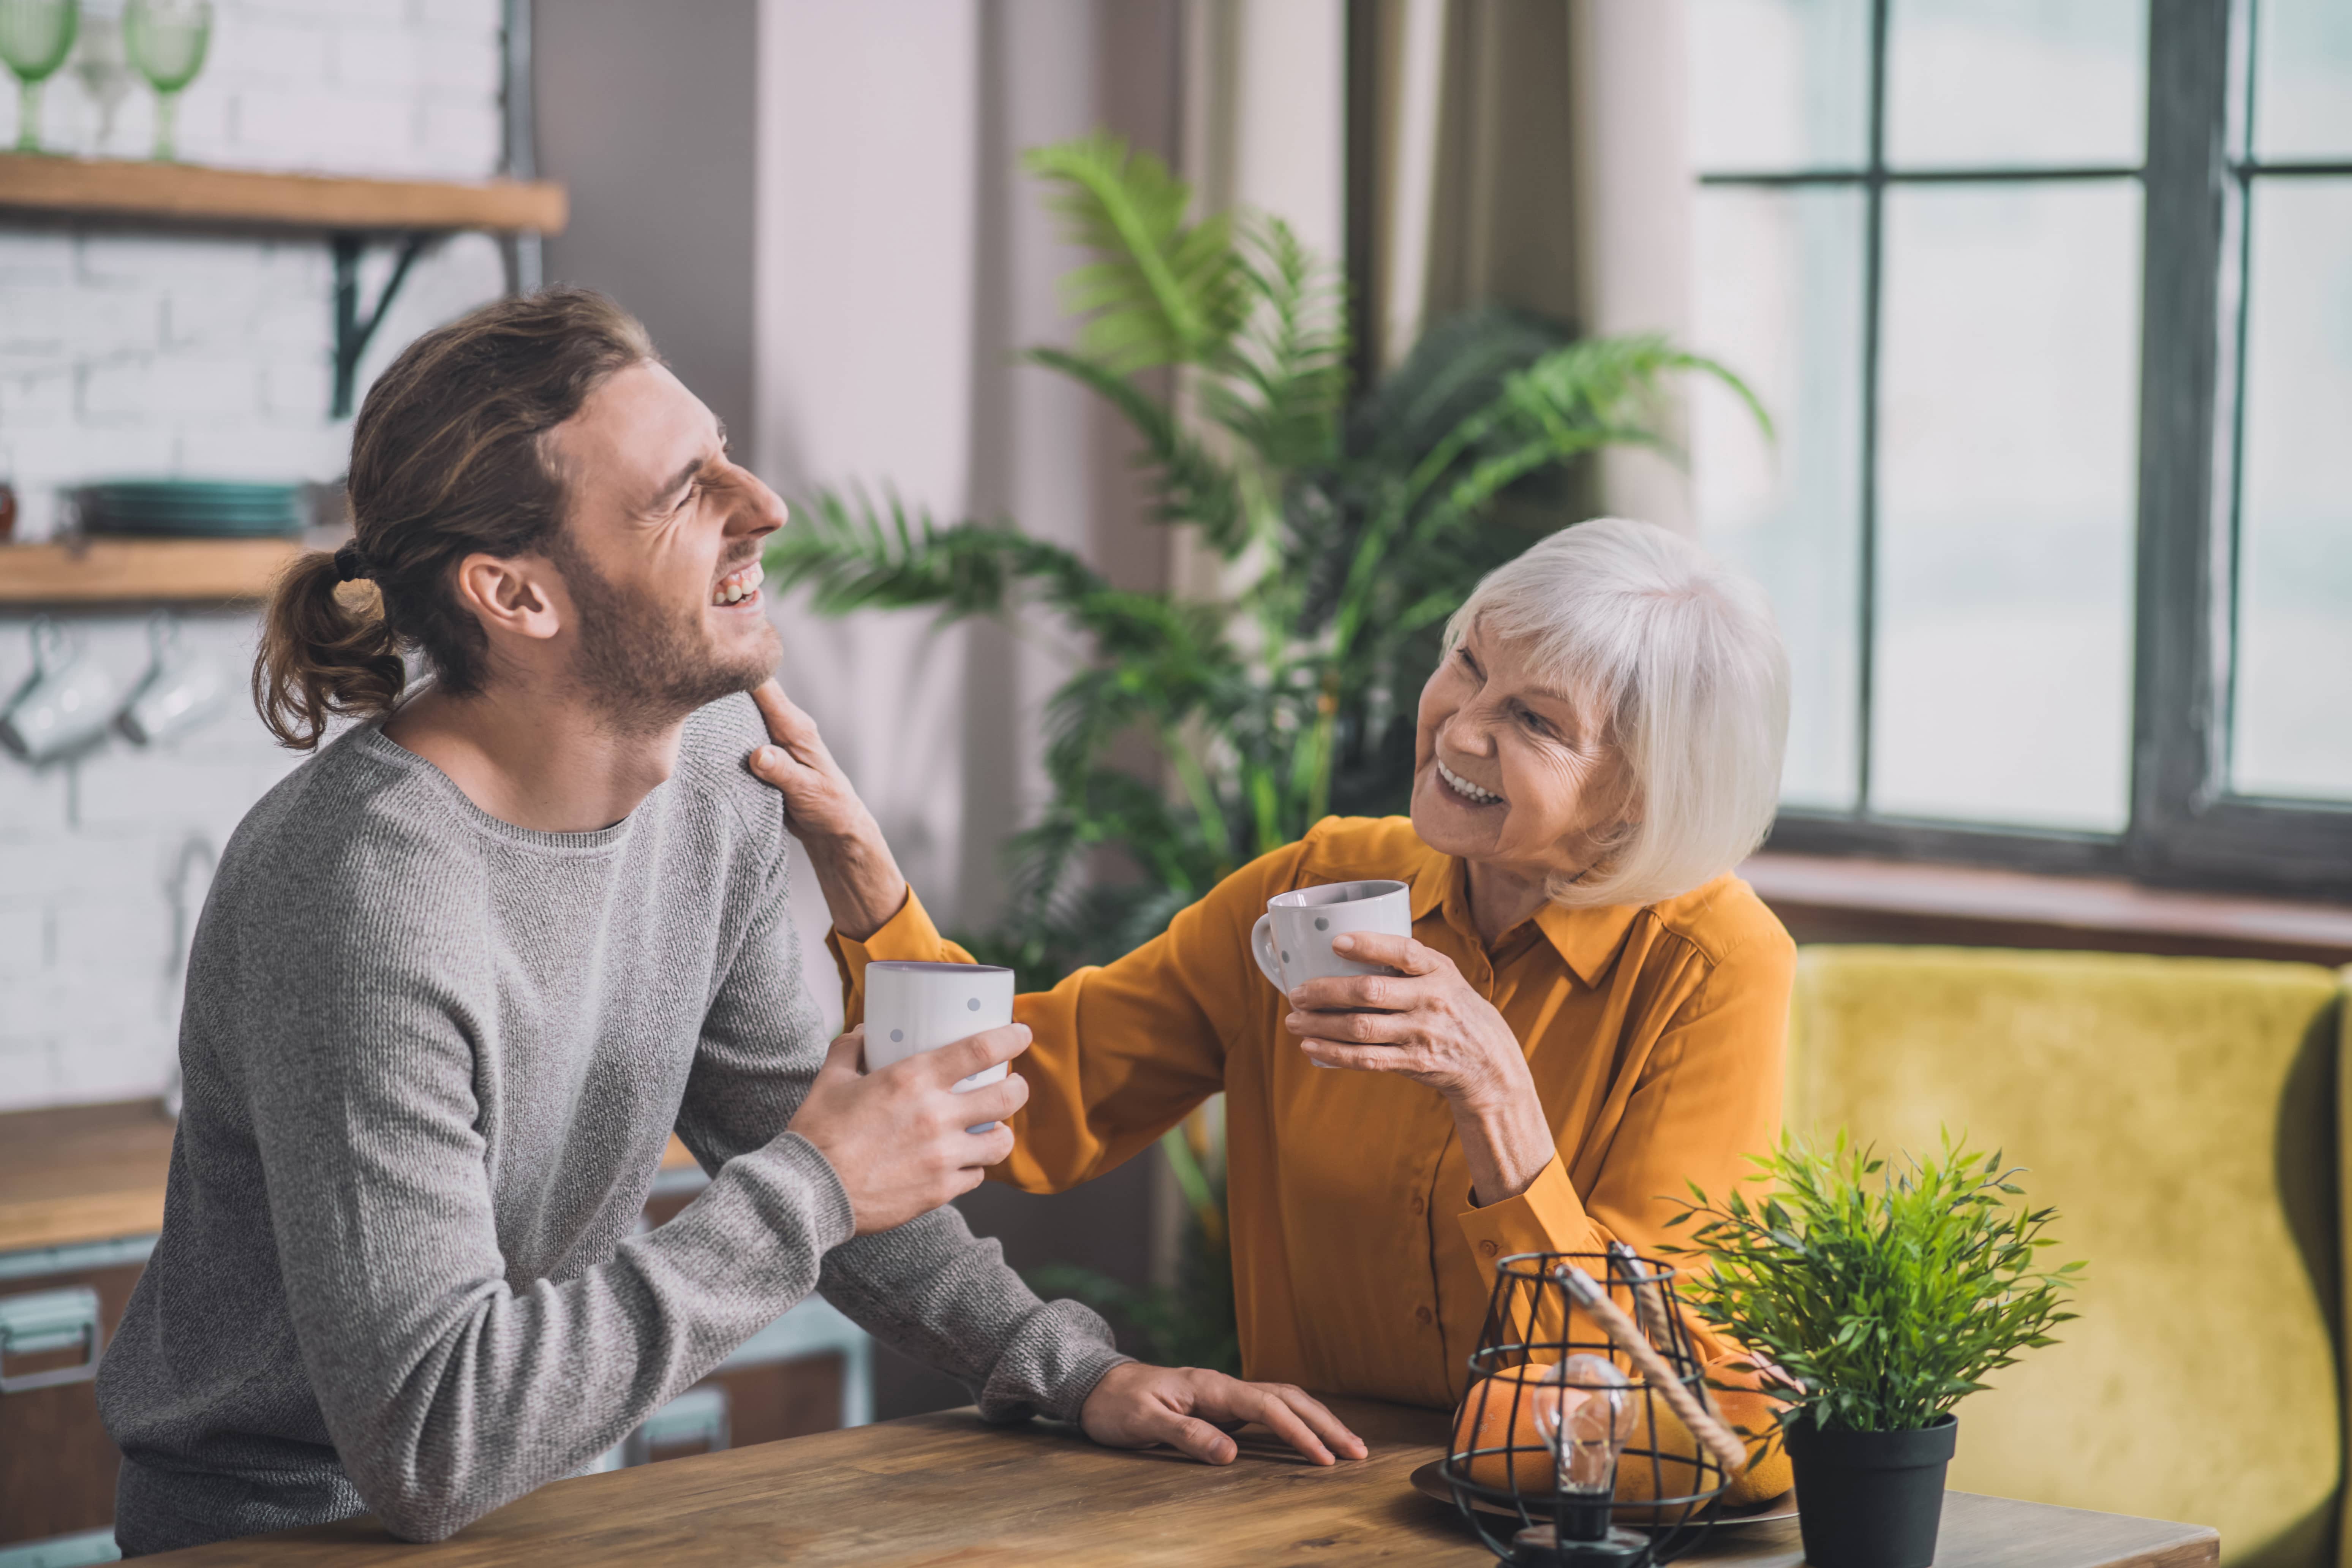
(659, 551)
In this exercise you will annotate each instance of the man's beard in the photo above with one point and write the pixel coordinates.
(642, 663)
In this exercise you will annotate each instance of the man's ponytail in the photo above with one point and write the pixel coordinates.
(326, 649)
(447, 461)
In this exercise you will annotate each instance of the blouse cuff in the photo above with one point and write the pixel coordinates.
(1548, 1217)
(908, 936)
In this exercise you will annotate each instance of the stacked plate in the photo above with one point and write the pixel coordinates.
(193, 508)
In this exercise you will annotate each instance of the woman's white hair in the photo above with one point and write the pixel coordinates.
(1682, 657)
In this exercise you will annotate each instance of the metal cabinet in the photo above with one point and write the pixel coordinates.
(58, 1309)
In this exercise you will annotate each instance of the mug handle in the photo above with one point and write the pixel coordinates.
(51, 642)
(1261, 949)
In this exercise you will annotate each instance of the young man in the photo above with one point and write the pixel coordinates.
(463, 973)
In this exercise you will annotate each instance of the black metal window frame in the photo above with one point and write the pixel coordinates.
(2186, 827)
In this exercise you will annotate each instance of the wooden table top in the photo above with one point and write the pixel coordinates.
(945, 1489)
(96, 1173)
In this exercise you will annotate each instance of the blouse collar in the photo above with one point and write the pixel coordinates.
(1587, 939)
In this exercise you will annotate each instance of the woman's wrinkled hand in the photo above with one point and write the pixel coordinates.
(819, 800)
(1430, 1024)
(854, 865)
(1434, 1027)
(1137, 1406)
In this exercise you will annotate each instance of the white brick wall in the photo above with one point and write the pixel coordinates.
(125, 353)
(103, 862)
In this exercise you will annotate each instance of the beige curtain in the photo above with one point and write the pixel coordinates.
(903, 259)
(1530, 152)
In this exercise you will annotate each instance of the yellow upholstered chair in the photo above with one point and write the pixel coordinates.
(2181, 1114)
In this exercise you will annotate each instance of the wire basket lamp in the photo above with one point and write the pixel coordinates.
(1588, 1418)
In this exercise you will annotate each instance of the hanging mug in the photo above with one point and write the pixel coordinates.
(182, 689)
(64, 705)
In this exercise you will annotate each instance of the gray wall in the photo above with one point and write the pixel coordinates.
(647, 112)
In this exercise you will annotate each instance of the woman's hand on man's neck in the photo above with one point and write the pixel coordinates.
(548, 761)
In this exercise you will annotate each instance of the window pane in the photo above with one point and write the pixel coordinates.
(2004, 83)
(2302, 81)
(1779, 302)
(2006, 411)
(1780, 84)
(2292, 730)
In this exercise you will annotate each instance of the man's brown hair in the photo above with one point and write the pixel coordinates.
(448, 460)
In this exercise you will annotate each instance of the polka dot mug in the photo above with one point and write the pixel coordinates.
(912, 1007)
(1292, 941)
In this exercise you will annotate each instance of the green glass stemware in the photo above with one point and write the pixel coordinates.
(36, 35)
(166, 40)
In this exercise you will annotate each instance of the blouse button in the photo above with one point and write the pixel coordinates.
(1418, 1204)
(1487, 1249)
(1423, 1316)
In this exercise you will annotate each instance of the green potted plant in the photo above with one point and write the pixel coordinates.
(1884, 1295)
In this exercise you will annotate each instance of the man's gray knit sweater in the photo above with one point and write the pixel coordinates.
(431, 1060)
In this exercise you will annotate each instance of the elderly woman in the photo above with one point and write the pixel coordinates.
(1589, 1010)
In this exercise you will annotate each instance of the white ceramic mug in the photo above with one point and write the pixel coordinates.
(182, 688)
(64, 705)
(913, 1008)
(1292, 941)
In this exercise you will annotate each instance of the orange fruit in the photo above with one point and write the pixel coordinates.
(1500, 1416)
(1748, 1406)
(1498, 1413)
(1746, 1409)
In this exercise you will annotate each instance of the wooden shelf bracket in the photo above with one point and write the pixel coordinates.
(353, 331)
(352, 213)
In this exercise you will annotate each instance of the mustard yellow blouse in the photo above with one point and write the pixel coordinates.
(1361, 1265)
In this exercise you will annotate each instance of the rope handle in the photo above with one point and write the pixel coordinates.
(1720, 1440)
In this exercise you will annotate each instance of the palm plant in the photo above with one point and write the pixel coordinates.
(1347, 538)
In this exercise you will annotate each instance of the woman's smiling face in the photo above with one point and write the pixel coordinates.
(1510, 770)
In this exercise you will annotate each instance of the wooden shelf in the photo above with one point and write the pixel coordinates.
(191, 193)
(134, 571)
(352, 213)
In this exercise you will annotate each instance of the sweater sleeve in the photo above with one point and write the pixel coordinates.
(928, 1288)
(449, 1388)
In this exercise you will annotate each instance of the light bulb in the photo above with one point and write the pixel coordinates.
(1584, 1413)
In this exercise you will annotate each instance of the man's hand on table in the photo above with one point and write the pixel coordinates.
(1135, 1407)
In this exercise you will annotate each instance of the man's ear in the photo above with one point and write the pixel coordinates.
(521, 596)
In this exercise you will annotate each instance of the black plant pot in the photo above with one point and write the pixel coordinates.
(1871, 1500)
